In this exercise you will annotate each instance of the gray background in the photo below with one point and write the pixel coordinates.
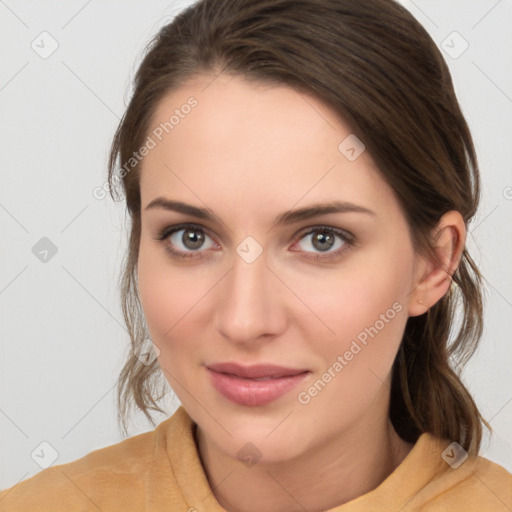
(63, 340)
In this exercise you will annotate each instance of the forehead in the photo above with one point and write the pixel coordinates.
(252, 142)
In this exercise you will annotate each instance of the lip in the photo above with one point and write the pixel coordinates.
(254, 385)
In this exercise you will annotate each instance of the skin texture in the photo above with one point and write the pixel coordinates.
(249, 151)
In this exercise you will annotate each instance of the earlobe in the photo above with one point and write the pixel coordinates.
(449, 239)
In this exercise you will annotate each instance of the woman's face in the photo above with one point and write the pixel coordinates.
(325, 296)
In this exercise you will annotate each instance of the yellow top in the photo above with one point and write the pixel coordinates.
(161, 471)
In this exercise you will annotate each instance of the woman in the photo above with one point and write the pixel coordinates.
(300, 179)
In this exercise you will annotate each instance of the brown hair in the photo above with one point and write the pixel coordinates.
(380, 71)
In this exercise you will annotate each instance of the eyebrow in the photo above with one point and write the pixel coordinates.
(288, 217)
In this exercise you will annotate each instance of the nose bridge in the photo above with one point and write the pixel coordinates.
(248, 308)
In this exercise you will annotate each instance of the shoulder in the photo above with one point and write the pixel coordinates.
(109, 478)
(478, 484)
(439, 476)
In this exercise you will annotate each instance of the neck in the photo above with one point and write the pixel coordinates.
(333, 472)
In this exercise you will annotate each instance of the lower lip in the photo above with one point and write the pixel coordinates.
(252, 392)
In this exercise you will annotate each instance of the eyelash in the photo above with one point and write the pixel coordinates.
(347, 238)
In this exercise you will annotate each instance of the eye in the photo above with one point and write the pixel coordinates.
(325, 242)
(190, 240)
(185, 240)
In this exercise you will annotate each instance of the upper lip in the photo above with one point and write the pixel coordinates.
(255, 371)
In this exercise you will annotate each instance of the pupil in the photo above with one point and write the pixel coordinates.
(193, 239)
(323, 238)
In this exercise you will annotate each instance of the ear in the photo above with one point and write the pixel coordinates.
(433, 278)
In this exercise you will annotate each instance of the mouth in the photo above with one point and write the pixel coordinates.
(256, 372)
(254, 385)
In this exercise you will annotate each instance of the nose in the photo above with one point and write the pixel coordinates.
(250, 305)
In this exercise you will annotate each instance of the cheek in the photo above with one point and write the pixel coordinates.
(365, 304)
(175, 302)
(366, 310)
(166, 294)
